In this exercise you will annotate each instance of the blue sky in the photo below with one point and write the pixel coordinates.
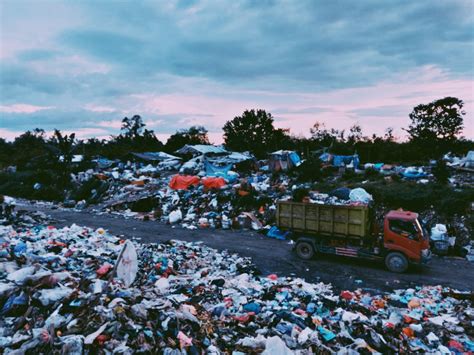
(84, 65)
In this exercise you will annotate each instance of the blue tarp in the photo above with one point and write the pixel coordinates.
(275, 233)
(337, 160)
(325, 157)
(219, 171)
(295, 158)
(414, 175)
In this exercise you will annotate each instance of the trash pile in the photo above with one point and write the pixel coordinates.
(78, 290)
(461, 163)
(213, 201)
(206, 192)
(10, 215)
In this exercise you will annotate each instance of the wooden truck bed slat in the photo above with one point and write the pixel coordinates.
(336, 220)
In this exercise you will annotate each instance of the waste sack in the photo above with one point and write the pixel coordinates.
(360, 195)
(175, 216)
(275, 233)
(127, 264)
(439, 239)
(210, 183)
(342, 192)
(183, 182)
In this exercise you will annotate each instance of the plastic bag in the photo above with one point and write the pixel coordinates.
(127, 266)
(175, 216)
(275, 345)
(360, 195)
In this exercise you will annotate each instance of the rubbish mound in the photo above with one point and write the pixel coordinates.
(78, 290)
(9, 215)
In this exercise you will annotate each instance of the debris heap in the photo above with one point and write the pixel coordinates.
(77, 290)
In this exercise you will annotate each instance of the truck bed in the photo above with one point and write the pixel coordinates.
(324, 220)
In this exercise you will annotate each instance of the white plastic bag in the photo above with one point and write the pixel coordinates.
(438, 232)
(127, 266)
(175, 216)
(360, 195)
(275, 345)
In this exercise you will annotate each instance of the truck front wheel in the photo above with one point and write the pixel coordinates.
(304, 250)
(396, 262)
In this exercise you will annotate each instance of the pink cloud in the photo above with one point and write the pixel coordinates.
(99, 108)
(336, 108)
(8, 135)
(23, 108)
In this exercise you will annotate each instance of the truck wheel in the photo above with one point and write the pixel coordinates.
(304, 250)
(396, 262)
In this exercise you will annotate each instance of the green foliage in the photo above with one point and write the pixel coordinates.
(193, 135)
(134, 138)
(441, 172)
(132, 127)
(372, 174)
(89, 190)
(254, 132)
(350, 175)
(300, 194)
(309, 170)
(439, 120)
(418, 197)
(435, 126)
(21, 185)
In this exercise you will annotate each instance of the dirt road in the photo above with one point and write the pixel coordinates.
(275, 256)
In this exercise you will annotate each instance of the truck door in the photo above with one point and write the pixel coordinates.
(402, 235)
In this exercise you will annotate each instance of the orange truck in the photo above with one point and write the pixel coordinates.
(351, 231)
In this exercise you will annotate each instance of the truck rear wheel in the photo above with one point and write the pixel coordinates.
(304, 250)
(396, 262)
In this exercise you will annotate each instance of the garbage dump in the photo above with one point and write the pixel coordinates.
(461, 163)
(10, 215)
(221, 189)
(79, 290)
(207, 199)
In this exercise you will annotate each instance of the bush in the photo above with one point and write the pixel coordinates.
(300, 194)
(372, 174)
(309, 170)
(441, 172)
(20, 184)
(418, 197)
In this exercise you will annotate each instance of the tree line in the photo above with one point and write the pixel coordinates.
(434, 129)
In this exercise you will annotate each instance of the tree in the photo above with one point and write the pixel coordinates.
(323, 136)
(132, 127)
(441, 172)
(254, 132)
(193, 135)
(355, 134)
(62, 147)
(388, 136)
(440, 120)
(29, 148)
(134, 138)
(6, 153)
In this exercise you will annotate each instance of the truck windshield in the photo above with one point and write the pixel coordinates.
(405, 228)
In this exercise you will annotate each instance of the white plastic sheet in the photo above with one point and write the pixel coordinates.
(127, 266)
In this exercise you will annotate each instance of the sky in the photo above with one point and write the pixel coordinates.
(81, 66)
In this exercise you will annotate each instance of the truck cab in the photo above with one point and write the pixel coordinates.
(405, 241)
